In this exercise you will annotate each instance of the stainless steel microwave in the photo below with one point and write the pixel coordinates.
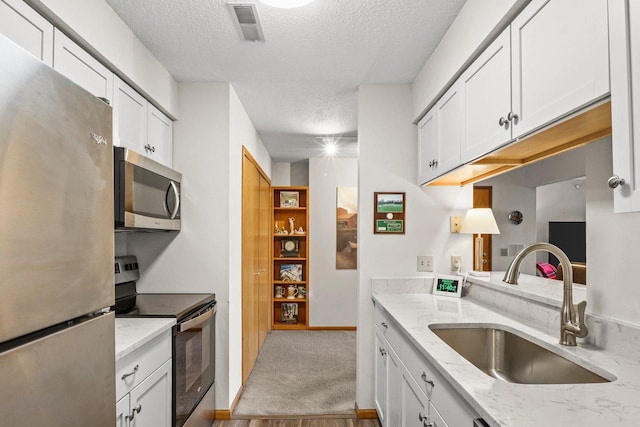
(147, 193)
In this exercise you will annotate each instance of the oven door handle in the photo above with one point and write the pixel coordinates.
(185, 326)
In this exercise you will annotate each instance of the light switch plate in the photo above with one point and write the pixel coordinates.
(425, 263)
(456, 262)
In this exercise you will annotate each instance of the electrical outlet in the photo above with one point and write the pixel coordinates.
(425, 263)
(456, 262)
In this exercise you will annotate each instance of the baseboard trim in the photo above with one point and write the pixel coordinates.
(222, 414)
(332, 328)
(366, 414)
(225, 414)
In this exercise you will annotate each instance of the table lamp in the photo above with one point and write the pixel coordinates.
(479, 221)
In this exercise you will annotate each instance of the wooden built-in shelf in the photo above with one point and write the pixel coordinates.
(280, 220)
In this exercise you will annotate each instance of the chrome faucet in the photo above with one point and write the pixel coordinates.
(569, 328)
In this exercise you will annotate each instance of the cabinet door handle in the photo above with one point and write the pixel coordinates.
(615, 181)
(424, 378)
(502, 121)
(382, 351)
(435, 163)
(135, 369)
(512, 116)
(384, 325)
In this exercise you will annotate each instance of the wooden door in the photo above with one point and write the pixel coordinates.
(264, 260)
(482, 198)
(255, 261)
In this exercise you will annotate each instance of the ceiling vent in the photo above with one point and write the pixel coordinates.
(245, 16)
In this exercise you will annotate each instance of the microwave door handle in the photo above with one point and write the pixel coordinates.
(172, 187)
(196, 320)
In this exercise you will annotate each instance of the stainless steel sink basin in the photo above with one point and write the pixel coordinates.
(509, 357)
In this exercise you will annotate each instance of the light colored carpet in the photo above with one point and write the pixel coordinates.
(302, 373)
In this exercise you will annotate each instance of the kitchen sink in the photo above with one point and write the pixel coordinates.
(512, 358)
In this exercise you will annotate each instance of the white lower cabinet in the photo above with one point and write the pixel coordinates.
(409, 391)
(415, 404)
(388, 383)
(144, 385)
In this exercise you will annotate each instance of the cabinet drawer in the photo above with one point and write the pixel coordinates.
(138, 365)
(388, 329)
(452, 407)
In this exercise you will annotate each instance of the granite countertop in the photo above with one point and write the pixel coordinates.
(134, 332)
(507, 404)
(547, 291)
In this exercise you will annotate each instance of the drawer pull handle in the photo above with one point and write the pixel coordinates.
(424, 378)
(133, 413)
(384, 325)
(135, 369)
(424, 420)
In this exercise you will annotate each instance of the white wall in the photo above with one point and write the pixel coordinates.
(206, 255)
(280, 174)
(241, 133)
(95, 25)
(196, 260)
(388, 147)
(510, 193)
(612, 244)
(332, 292)
(560, 201)
(476, 25)
(300, 173)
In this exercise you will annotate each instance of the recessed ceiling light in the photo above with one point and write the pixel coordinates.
(286, 4)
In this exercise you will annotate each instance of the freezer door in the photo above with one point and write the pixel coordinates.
(64, 379)
(56, 197)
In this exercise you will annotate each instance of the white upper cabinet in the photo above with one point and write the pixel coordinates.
(448, 116)
(27, 28)
(159, 137)
(427, 147)
(79, 66)
(129, 117)
(439, 134)
(624, 39)
(560, 60)
(486, 100)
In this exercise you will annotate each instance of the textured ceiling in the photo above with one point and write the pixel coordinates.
(302, 81)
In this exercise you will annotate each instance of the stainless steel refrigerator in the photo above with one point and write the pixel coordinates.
(56, 249)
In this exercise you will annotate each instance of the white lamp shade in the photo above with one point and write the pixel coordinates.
(479, 221)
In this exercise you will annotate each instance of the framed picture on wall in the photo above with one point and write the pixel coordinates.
(389, 213)
(289, 199)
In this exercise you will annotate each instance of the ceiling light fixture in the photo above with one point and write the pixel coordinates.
(330, 148)
(286, 4)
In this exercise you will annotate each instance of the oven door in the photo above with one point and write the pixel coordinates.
(194, 361)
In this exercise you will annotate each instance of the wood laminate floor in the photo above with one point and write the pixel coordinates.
(299, 423)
